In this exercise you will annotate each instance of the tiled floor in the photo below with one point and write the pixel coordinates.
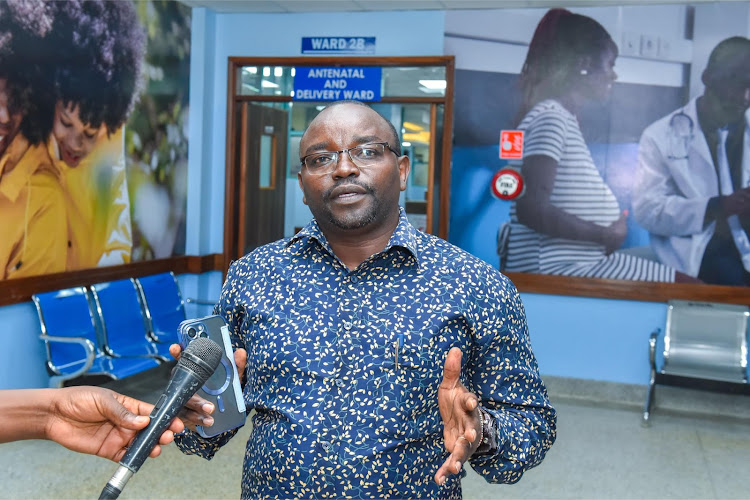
(602, 452)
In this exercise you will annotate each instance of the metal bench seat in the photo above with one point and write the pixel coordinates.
(163, 306)
(72, 340)
(705, 347)
(124, 327)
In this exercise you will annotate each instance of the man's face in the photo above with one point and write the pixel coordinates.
(351, 197)
(10, 119)
(730, 86)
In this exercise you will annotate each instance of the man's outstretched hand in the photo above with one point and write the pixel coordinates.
(460, 413)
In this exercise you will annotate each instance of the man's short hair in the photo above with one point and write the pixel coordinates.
(396, 141)
(726, 53)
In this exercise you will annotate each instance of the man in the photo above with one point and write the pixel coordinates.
(89, 420)
(371, 347)
(692, 191)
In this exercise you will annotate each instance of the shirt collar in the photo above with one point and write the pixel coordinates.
(53, 149)
(404, 236)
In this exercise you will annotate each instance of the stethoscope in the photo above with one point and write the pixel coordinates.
(680, 135)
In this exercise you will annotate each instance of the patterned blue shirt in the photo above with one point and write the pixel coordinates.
(344, 366)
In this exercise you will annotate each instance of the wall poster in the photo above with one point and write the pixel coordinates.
(93, 133)
(636, 154)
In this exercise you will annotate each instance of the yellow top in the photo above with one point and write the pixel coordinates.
(32, 213)
(98, 206)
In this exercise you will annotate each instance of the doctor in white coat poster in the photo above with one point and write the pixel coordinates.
(691, 192)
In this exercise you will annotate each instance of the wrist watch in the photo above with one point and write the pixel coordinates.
(488, 434)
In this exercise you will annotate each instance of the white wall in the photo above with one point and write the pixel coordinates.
(497, 40)
(713, 23)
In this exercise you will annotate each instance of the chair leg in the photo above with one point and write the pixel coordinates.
(649, 401)
(652, 379)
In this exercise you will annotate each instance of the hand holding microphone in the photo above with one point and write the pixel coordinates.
(197, 363)
(85, 419)
(199, 411)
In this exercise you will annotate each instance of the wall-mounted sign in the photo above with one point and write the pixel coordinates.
(338, 45)
(507, 184)
(511, 144)
(335, 84)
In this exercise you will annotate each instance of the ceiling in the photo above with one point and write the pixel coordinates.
(281, 6)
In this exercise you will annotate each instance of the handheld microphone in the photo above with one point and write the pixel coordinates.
(197, 363)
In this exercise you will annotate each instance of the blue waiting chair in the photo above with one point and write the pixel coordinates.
(162, 305)
(72, 342)
(124, 328)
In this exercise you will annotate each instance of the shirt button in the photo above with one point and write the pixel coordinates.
(339, 382)
(347, 325)
(353, 279)
(326, 445)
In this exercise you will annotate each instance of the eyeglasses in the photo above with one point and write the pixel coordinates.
(364, 155)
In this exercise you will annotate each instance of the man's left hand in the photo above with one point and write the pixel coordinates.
(459, 409)
(197, 411)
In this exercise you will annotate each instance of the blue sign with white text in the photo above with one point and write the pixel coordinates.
(338, 44)
(336, 84)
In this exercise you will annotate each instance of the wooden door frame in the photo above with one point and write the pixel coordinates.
(230, 197)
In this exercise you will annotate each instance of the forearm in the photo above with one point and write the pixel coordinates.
(524, 436)
(192, 443)
(714, 211)
(25, 413)
(665, 213)
(535, 210)
(506, 379)
(545, 218)
(659, 205)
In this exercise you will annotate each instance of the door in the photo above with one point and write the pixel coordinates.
(260, 166)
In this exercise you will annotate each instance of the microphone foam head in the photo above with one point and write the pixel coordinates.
(201, 356)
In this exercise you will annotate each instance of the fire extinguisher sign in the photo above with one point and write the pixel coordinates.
(511, 144)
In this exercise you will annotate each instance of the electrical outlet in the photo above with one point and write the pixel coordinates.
(631, 44)
(648, 46)
(664, 48)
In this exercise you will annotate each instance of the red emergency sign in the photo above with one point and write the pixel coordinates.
(511, 144)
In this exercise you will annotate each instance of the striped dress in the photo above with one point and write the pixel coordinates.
(579, 189)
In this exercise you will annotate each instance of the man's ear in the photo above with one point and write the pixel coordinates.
(404, 167)
(299, 180)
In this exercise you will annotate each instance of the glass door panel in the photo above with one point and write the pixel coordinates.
(416, 142)
(416, 81)
(265, 80)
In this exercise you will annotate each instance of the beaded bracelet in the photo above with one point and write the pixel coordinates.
(488, 438)
(481, 427)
